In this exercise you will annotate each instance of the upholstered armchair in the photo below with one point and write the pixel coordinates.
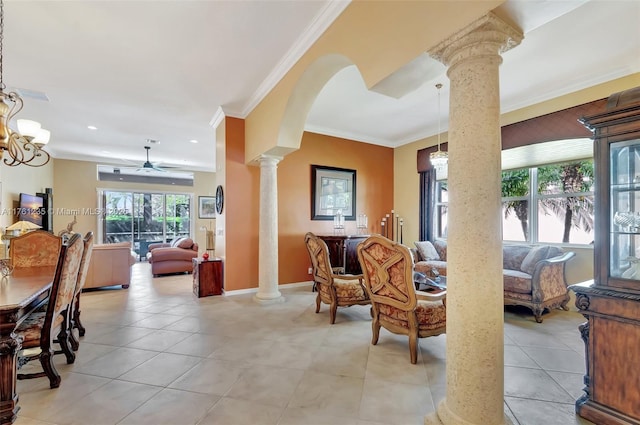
(34, 249)
(174, 257)
(333, 289)
(387, 267)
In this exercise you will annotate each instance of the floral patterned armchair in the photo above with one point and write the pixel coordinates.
(333, 289)
(387, 267)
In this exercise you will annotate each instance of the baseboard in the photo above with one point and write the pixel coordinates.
(283, 286)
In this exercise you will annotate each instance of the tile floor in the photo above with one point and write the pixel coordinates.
(155, 354)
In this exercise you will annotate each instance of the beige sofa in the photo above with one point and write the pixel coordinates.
(533, 275)
(110, 265)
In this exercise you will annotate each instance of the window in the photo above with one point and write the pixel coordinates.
(562, 196)
(441, 209)
(144, 217)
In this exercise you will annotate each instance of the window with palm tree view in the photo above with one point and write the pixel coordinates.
(144, 217)
(562, 200)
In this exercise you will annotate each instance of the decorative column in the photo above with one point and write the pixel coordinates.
(268, 292)
(475, 310)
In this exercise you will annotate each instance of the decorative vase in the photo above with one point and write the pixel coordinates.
(205, 256)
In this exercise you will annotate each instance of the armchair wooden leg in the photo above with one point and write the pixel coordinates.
(318, 303)
(375, 329)
(537, 312)
(413, 347)
(333, 312)
(565, 302)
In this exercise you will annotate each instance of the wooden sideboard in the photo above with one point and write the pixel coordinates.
(342, 251)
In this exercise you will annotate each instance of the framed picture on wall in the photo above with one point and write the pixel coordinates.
(332, 190)
(206, 207)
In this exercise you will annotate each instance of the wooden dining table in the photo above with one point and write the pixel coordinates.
(20, 293)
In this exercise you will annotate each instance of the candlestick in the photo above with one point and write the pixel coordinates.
(392, 227)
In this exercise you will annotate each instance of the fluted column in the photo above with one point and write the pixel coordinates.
(475, 310)
(268, 234)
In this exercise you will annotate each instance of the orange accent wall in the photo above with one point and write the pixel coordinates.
(241, 210)
(374, 195)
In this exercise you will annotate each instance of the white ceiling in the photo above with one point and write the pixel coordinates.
(160, 70)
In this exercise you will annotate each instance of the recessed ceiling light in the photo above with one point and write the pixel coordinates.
(193, 141)
(92, 127)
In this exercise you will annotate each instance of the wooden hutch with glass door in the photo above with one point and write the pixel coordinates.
(611, 301)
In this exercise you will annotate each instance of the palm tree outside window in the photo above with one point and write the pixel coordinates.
(562, 200)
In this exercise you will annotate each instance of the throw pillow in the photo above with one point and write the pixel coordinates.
(427, 251)
(174, 243)
(186, 243)
(536, 254)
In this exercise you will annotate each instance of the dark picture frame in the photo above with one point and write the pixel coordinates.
(206, 207)
(332, 189)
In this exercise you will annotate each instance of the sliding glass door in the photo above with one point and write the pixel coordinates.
(144, 217)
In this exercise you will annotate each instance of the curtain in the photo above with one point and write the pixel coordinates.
(427, 204)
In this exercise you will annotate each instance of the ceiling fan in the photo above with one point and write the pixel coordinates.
(148, 166)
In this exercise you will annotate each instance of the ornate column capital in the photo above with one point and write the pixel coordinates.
(269, 160)
(488, 35)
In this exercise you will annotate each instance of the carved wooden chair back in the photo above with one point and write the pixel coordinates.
(35, 248)
(75, 304)
(388, 273)
(319, 256)
(40, 329)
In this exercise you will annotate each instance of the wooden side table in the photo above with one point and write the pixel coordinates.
(207, 277)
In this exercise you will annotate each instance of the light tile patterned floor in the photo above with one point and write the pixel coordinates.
(155, 354)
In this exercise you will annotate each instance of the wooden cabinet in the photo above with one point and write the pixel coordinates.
(207, 277)
(342, 251)
(611, 301)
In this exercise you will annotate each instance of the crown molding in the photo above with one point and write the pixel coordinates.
(316, 28)
(349, 135)
(217, 118)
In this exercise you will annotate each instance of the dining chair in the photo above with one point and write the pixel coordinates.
(333, 289)
(41, 328)
(387, 267)
(35, 248)
(74, 316)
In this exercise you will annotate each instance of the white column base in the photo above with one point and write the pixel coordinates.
(278, 299)
(444, 416)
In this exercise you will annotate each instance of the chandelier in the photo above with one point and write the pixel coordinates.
(24, 146)
(439, 159)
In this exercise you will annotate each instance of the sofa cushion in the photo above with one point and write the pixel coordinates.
(427, 267)
(512, 256)
(536, 254)
(185, 243)
(426, 250)
(441, 247)
(516, 281)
